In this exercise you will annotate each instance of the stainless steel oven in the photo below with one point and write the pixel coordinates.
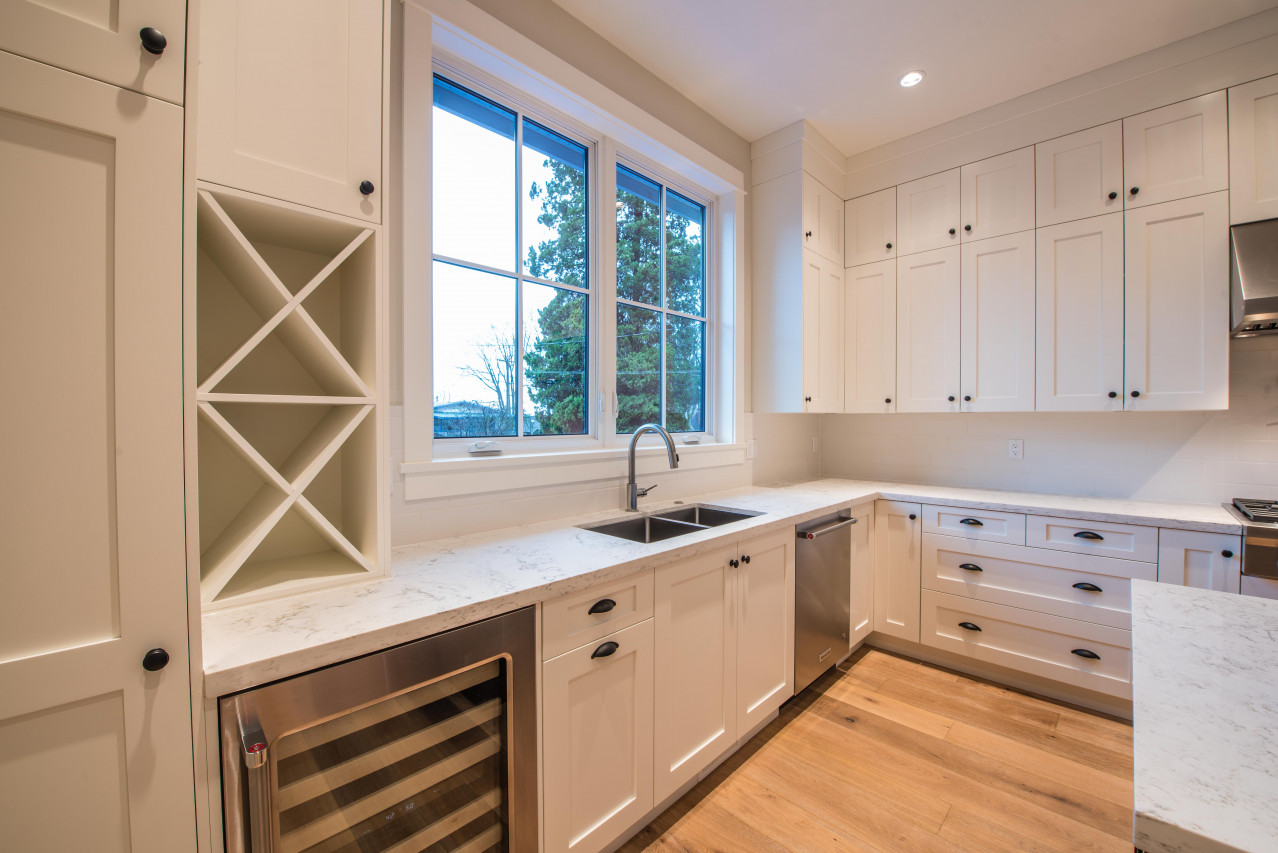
(431, 745)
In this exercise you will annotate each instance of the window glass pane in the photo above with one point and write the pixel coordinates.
(638, 238)
(555, 208)
(475, 362)
(685, 255)
(473, 178)
(638, 367)
(685, 374)
(555, 358)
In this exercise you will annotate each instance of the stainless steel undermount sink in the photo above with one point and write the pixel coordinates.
(669, 523)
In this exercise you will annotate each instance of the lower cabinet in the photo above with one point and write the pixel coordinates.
(897, 528)
(861, 605)
(1202, 560)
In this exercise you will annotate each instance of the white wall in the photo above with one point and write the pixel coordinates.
(784, 451)
(1197, 457)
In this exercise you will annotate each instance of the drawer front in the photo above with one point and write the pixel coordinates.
(1035, 643)
(1076, 586)
(988, 524)
(1103, 538)
(566, 622)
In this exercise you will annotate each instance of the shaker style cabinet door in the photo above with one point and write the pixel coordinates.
(869, 227)
(291, 101)
(897, 540)
(997, 324)
(927, 213)
(1253, 151)
(822, 220)
(765, 627)
(1079, 175)
(1176, 151)
(927, 332)
(869, 338)
(1198, 559)
(102, 39)
(997, 195)
(95, 727)
(861, 622)
(822, 334)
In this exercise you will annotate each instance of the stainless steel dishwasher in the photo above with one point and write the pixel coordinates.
(822, 596)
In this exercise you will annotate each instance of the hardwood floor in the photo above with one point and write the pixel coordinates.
(896, 755)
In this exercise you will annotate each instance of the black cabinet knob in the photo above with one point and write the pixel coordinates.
(807, 233)
(603, 605)
(967, 228)
(967, 398)
(889, 245)
(1086, 653)
(155, 660)
(971, 522)
(366, 187)
(807, 399)
(1135, 393)
(1227, 554)
(1113, 394)
(950, 398)
(970, 567)
(969, 626)
(913, 516)
(733, 562)
(887, 399)
(1088, 587)
(605, 650)
(745, 558)
(1134, 190)
(952, 232)
(1087, 534)
(1113, 196)
(153, 41)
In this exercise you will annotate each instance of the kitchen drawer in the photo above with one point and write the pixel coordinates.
(1035, 643)
(566, 622)
(1103, 538)
(988, 524)
(1035, 578)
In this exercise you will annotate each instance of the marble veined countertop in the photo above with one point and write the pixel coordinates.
(1205, 702)
(445, 583)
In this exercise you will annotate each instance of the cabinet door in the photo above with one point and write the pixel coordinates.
(1202, 560)
(869, 227)
(997, 195)
(597, 740)
(1079, 308)
(1177, 151)
(328, 71)
(869, 338)
(99, 39)
(822, 220)
(997, 322)
(927, 213)
(765, 627)
(1079, 175)
(861, 622)
(822, 334)
(1253, 151)
(91, 480)
(695, 668)
(927, 331)
(1177, 297)
(896, 568)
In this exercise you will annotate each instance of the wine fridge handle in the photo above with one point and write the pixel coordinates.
(261, 806)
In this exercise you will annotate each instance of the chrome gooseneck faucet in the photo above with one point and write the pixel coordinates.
(634, 492)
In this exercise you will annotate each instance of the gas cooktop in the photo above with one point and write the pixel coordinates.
(1258, 511)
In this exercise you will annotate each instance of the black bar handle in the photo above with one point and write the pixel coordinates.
(1087, 534)
(971, 522)
(970, 567)
(969, 626)
(1086, 653)
(609, 648)
(1088, 587)
(603, 605)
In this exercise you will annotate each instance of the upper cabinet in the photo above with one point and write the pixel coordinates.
(997, 195)
(1177, 151)
(996, 320)
(296, 118)
(822, 321)
(1253, 151)
(927, 331)
(870, 228)
(869, 338)
(822, 220)
(1080, 175)
(927, 213)
(104, 39)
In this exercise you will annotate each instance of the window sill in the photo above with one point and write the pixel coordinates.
(451, 477)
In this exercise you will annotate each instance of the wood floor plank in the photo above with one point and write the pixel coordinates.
(713, 829)
(977, 833)
(783, 820)
(980, 703)
(919, 719)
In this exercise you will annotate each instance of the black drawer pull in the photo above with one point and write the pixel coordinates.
(971, 522)
(609, 647)
(969, 626)
(1086, 653)
(1088, 587)
(603, 605)
(1087, 534)
(970, 567)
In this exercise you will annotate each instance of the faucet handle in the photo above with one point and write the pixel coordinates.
(640, 491)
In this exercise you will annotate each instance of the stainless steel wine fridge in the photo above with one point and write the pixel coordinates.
(429, 746)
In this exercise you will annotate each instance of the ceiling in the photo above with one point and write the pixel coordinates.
(759, 65)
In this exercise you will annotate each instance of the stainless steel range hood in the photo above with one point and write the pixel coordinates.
(1253, 279)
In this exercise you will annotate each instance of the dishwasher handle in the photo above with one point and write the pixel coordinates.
(821, 531)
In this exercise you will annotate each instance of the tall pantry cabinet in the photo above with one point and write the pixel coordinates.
(95, 713)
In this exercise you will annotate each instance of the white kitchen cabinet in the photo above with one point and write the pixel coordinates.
(997, 324)
(861, 621)
(869, 224)
(1198, 559)
(1177, 305)
(765, 627)
(1100, 538)
(290, 96)
(927, 331)
(822, 220)
(102, 40)
(897, 529)
(1079, 308)
(997, 195)
(597, 730)
(95, 750)
(869, 338)
(927, 213)
(990, 525)
(1253, 151)
(822, 334)
(1079, 175)
(1176, 151)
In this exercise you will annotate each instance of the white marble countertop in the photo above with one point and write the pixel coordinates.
(444, 583)
(1205, 701)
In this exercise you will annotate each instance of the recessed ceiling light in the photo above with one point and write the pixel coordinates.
(911, 78)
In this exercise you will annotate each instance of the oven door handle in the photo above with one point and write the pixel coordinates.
(261, 794)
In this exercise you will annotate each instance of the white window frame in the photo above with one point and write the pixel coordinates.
(439, 35)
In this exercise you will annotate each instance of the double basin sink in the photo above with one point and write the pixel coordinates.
(669, 523)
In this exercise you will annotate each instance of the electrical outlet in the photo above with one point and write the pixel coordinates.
(815, 448)
(749, 448)
(1015, 448)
